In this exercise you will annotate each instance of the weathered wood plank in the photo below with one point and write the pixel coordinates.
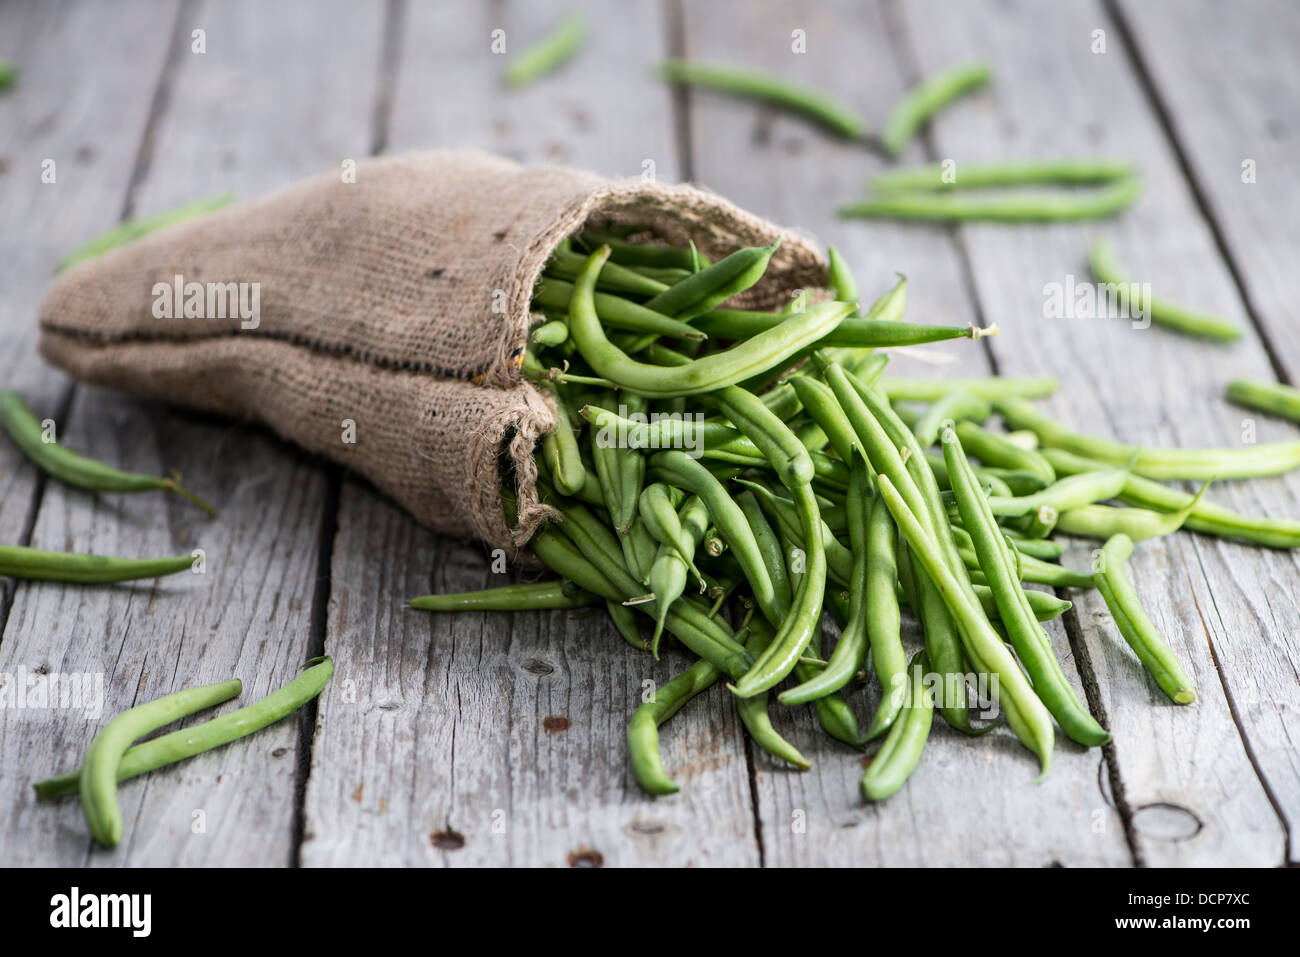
(970, 801)
(1054, 96)
(279, 111)
(1243, 109)
(448, 732)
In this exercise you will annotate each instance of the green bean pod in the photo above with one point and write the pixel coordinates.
(624, 619)
(1152, 650)
(1074, 491)
(991, 388)
(1271, 397)
(1139, 524)
(928, 99)
(643, 727)
(18, 561)
(1026, 206)
(899, 755)
(614, 311)
(71, 468)
(560, 45)
(957, 406)
(1030, 640)
(701, 291)
(201, 738)
(99, 767)
(1254, 461)
(1106, 269)
(769, 547)
(712, 372)
(836, 116)
(993, 449)
(537, 596)
(1060, 172)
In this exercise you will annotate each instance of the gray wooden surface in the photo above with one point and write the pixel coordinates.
(438, 742)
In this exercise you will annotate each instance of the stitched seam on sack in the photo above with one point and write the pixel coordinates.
(315, 346)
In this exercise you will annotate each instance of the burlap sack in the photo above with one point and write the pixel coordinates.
(398, 302)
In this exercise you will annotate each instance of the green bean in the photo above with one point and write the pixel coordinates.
(99, 767)
(712, 372)
(1041, 548)
(531, 366)
(994, 450)
(549, 53)
(1139, 524)
(566, 264)
(201, 738)
(8, 74)
(19, 561)
(530, 597)
(899, 755)
(1045, 605)
(1025, 713)
(71, 468)
(989, 477)
(839, 560)
(1265, 458)
(837, 117)
(851, 333)
(1106, 269)
(1154, 653)
(701, 635)
(943, 644)
(567, 468)
(1030, 640)
(1204, 517)
(804, 620)
(991, 388)
(1040, 572)
(781, 447)
(1060, 172)
(668, 571)
(552, 333)
(124, 233)
(819, 402)
(629, 471)
(658, 511)
(624, 619)
(1085, 488)
(661, 431)
(957, 406)
(769, 547)
(928, 99)
(681, 470)
(639, 549)
(713, 285)
(1028, 206)
(1271, 397)
(605, 463)
(869, 568)
(840, 278)
(753, 711)
(643, 728)
(637, 254)
(614, 311)
(1043, 522)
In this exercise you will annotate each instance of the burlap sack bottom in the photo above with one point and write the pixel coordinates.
(393, 311)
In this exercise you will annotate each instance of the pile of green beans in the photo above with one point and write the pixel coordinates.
(713, 499)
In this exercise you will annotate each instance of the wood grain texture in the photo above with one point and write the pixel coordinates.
(278, 113)
(782, 167)
(1243, 110)
(1056, 97)
(444, 758)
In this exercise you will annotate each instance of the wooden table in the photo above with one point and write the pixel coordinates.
(432, 746)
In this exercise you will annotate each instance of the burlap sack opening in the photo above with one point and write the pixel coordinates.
(398, 303)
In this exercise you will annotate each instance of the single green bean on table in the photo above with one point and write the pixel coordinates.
(952, 175)
(556, 48)
(97, 782)
(899, 389)
(19, 561)
(201, 738)
(71, 468)
(643, 728)
(1025, 206)
(927, 99)
(1249, 461)
(1106, 269)
(537, 596)
(133, 229)
(1271, 397)
(1152, 650)
(829, 112)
